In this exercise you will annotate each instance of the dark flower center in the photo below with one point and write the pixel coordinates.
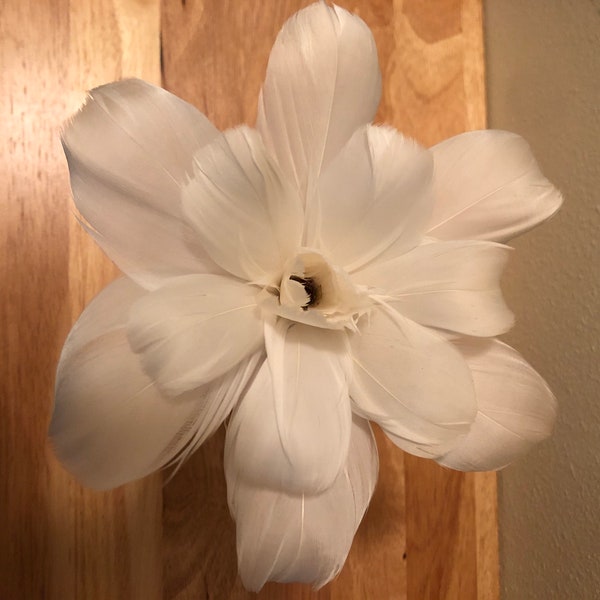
(312, 289)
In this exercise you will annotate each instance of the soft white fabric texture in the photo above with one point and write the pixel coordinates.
(300, 537)
(111, 424)
(247, 217)
(322, 83)
(488, 186)
(375, 193)
(193, 329)
(292, 428)
(448, 285)
(515, 408)
(412, 382)
(129, 150)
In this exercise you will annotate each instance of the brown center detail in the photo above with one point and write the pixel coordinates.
(311, 287)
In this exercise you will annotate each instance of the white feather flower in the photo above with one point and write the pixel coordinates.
(306, 276)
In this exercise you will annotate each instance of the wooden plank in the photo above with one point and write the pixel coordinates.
(58, 540)
(430, 533)
(452, 545)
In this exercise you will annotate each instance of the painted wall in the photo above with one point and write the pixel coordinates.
(544, 83)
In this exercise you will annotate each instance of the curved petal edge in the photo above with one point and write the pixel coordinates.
(300, 537)
(488, 186)
(515, 411)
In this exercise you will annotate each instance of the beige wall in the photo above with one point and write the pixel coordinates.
(544, 83)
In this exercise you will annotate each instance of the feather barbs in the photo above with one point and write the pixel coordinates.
(303, 277)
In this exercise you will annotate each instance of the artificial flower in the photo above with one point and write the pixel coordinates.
(303, 278)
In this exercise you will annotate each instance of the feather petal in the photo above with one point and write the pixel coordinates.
(129, 150)
(194, 329)
(322, 83)
(221, 396)
(292, 429)
(449, 285)
(412, 382)
(488, 186)
(286, 537)
(248, 217)
(111, 424)
(375, 193)
(516, 409)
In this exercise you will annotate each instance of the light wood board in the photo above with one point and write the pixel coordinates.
(430, 533)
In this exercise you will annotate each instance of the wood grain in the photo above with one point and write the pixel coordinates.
(58, 540)
(429, 533)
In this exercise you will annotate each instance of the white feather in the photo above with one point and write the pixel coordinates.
(194, 329)
(292, 429)
(322, 83)
(449, 285)
(516, 409)
(129, 150)
(248, 218)
(306, 538)
(375, 193)
(412, 382)
(222, 395)
(111, 424)
(488, 186)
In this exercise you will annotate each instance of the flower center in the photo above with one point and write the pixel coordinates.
(314, 291)
(311, 293)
